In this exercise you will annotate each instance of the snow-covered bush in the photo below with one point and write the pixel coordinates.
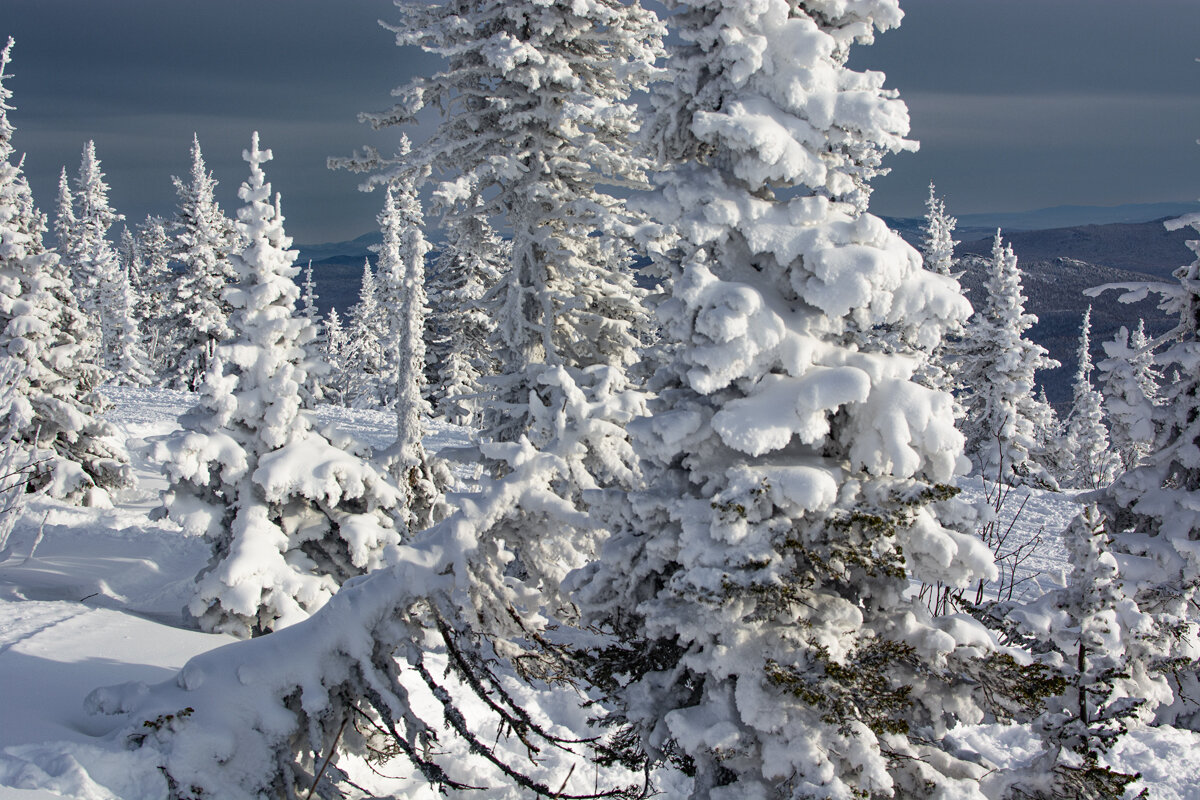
(290, 516)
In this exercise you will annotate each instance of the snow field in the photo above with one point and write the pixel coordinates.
(99, 602)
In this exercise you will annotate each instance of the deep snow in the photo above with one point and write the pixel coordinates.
(99, 603)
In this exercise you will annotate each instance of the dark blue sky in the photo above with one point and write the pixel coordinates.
(1018, 104)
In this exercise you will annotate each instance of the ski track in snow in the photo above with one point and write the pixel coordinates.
(99, 603)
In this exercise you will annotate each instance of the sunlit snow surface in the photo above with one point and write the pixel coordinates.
(99, 603)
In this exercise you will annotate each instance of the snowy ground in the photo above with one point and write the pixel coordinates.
(98, 602)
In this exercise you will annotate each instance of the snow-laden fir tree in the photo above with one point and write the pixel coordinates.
(1154, 509)
(765, 638)
(290, 515)
(1129, 385)
(98, 268)
(937, 248)
(130, 363)
(1085, 440)
(334, 349)
(937, 235)
(401, 293)
(459, 328)
(66, 230)
(156, 286)
(55, 416)
(400, 289)
(363, 357)
(1109, 653)
(997, 366)
(316, 368)
(204, 239)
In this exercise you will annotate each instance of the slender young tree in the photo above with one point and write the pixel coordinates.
(363, 357)
(99, 268)
(55, 414)
(997, 366)
(204, 239)
(316, 368)
(938, 368)
(156, 286)
(290, 515)
(766, 639)
(335, 346)
(402, 301)
(1086, 436)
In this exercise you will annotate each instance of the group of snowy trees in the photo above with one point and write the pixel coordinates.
(702, 509)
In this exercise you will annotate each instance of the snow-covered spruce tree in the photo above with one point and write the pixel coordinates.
(1154, 509)
(1085, 440)
(937, 235)
(937, 371)
(1109, 653)
(997, 366)
(1129, 385)
(99, 268)
(204, 239)
(316, 369)
(401, 292)
(765, 637)
(290, 516)
(155, 287)
(55, 416)
(130, 364)
(66, 230)
(459, 328)
(334, 349)
(363, 357)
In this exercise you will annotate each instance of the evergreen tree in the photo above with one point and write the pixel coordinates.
(937, 242)
(460, 328)
(131, 365)
(1129, 385)
(204, 239)
(335, 345)
(55, 416)
(290, 515)
(1154, 509)
(400, 282)
(315, 367)
(363, 356)
(402, 297)
(1109, 653)
(1086, 437)
(997, 367)
(937, 370)
(99, 268)
(156, 286)
(66, 231)
(765, 636)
